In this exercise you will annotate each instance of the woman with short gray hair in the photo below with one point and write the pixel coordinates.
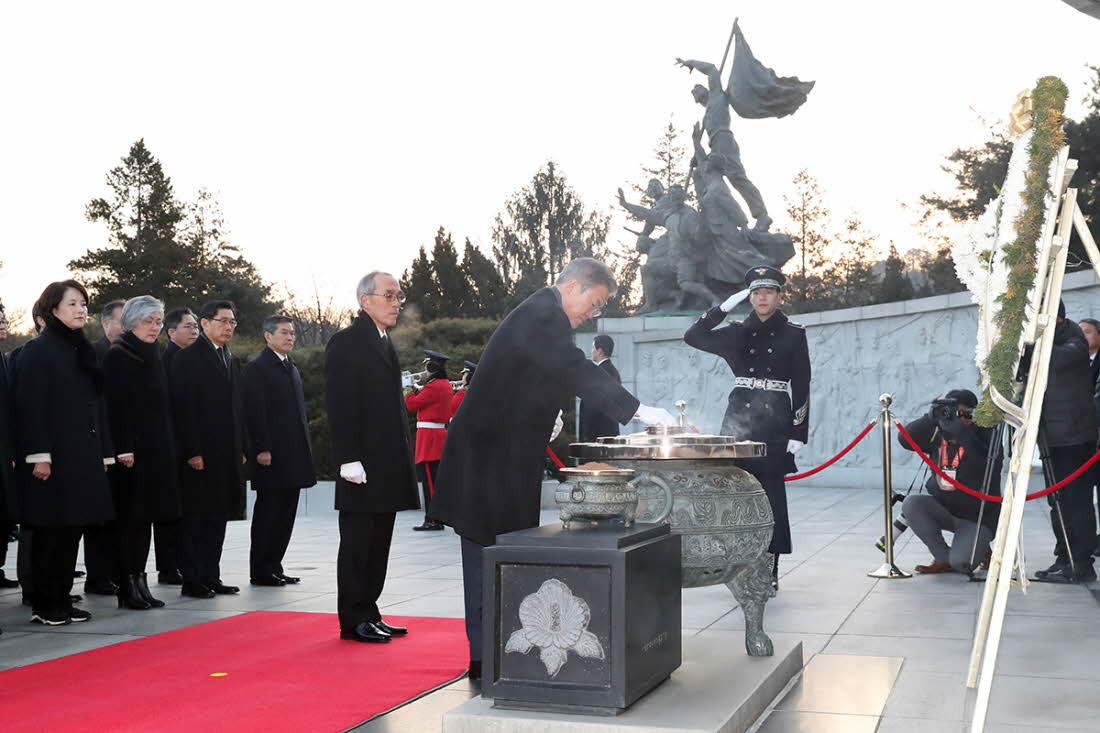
(146, 484)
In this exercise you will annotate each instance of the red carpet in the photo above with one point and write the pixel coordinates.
(282, 671)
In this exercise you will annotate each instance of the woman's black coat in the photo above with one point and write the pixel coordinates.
(138, 405)
(59, 410)
(367, 420)
(275, 409)
(209, 420)
(490, 476)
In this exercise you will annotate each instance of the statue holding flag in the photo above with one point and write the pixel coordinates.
(754, 91)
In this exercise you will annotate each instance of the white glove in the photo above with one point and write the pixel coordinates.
(558, 425)
(733, 300)
(654, 415)
(353, 472)
(793, 446)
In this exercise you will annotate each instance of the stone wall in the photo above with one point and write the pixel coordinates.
(914, 350)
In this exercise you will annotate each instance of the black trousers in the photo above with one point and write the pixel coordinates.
(425, 472)
(100, 551)
(471, 593)
(200, 548)
(361, 565)
(5, 531)
(53, 559)
(166, 537)
(769, 471)
(1077, 507)
(272, 524)
(134, 538)
(23, 563)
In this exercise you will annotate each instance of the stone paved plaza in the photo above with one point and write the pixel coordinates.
(887, 656)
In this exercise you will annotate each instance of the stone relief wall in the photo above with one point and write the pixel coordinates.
(915, 350)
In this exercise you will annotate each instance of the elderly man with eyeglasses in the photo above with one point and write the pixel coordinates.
(210, 434)
(369, 429)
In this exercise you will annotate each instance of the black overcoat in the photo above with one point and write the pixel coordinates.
(275, 409)
(490, 476)
(367, 420)
(1069, 417)
(138, 404)
(763, 356)
(170, 350)
(595, 424)
(209, 421)
(59, 410)
(8, 503)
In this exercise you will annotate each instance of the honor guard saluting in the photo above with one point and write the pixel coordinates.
(460, 393)
(432, 404)
(770, 401)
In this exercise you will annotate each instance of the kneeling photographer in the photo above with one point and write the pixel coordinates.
(948, 435)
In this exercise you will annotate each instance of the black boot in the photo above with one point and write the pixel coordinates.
(143, 589)
(129, 596)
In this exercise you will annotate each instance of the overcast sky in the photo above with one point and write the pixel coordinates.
(339, 136)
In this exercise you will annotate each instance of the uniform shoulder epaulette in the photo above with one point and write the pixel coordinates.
(796, 325)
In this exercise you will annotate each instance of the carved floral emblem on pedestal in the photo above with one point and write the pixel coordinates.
(555, 621)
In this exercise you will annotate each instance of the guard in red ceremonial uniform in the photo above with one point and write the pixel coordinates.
(460, 393)
(432, 404)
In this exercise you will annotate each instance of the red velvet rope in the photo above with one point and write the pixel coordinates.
(834, 459)
(554, 457)
(989, 497)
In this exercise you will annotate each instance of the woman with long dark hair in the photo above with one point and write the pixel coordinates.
(64, 447)
(146, 485)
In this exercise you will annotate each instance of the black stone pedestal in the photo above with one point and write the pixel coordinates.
(583, 620)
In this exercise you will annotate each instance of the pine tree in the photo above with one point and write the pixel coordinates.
(450, 281)
(854, 282)
(810, 219)
(669, 165)
(895, 283)
(418, 283)
(543, 226)
(490, 294)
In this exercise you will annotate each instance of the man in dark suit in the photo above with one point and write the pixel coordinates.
(182, 326)
(7, 457)
(490, 476)
(101, 541)
(210, 433)
(370, 442)
(595, 424)
(275, 409)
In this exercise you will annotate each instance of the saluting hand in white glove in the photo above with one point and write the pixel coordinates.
(654, 415)
(733, 300)
(793, 446)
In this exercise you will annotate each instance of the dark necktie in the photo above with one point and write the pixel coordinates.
(223, 357)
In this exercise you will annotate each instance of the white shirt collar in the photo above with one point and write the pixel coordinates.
(282, 357)
(601, 361)
(381, 332)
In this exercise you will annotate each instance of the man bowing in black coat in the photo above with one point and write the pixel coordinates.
(490, 476)
(370, 442)
(275, 408)
(210, 432)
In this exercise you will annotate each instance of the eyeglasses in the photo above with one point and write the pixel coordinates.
(227, 321)
(189, 326)
(398, 297)
(158, 322)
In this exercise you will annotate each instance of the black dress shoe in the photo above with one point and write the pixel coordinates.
(171, 577)
(437, 526)
(6, 582)
(1086, 575)
(288, 579)
(1056, 574)
(74, 598)
(269, 580)
(425, 525)
(78, 573)
(196, 590)
(100, 587)
(366, 632)
(474, 672)
(224, 590)
(391, 630)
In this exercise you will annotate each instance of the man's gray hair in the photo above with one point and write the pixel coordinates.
(271, 323)
(137, 309)
(366, 285)
(589, 273)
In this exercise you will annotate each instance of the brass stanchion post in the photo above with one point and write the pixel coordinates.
(888, 570)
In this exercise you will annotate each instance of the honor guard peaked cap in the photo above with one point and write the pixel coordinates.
(469, 366)
(765, 277)
(435, 356)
